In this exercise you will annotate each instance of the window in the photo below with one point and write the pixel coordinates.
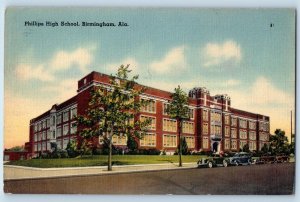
(188, 127)
(35, 147)
(233, 133)
(44, 124)
(267, 126)
(191, 113)
(252, 125)
(44, 146)
(233, 144)
(152, 125)
(205, 143)
(165, 108)
(243, 123)
(39, 126)
(52, 122)
(150, 107)
(48, 146)
(73, 112)
(48, 123)
(148, 140)
(58, 143)
(40, 136)
(227, 131)
(190, 141)
(48, 134)
(35, 137)
(252, 135)
(66, 129)
(233, 122)
(243, 134)
(215, 116)
(227, 143)
(44, 135)
(205, 128)
(58, 131)
(53, 134)
(252, 145)
(242, 144)
(169, 125)
(73, 128)
(170, 140)
(227, 119)
(119, 140)
(65, 143)
(35, 127)
(263, 136)
(205, 115)
(216, 130)
(65, 116)
(58, 119)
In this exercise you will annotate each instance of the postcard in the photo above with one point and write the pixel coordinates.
(182, 101)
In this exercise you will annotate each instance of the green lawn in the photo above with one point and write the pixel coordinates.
(101, 160)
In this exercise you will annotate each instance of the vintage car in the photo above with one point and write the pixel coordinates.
(266, 158)
(282, 158)
(213, 161)
(241, 158)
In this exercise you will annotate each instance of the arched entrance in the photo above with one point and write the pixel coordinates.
(215, 146)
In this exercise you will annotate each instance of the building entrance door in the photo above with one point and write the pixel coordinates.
(215, 147)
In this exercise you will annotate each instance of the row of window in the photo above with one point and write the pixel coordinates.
(47, 134)
(149, 140)
(232, 144)
(264, 126)
(150, 107)
(46, 146)
(46, 123)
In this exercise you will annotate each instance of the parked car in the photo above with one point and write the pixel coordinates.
(241, 158)
(266, 158)
(282, 158)
(213, 161)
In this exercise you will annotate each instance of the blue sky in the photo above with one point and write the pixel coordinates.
(228, 51)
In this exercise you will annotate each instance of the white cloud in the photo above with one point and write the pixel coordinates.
(232, 82)
(134, 66)
(174, 60)
(67, 89)
(27, 72)
(265, 98)
(215, 54)
(63, 60)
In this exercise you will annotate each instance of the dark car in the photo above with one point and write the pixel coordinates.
(241, 158)
(213, 161)
(266, 158)
(282, 158)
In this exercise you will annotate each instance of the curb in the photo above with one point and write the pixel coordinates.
(89, 167)
(97, 174)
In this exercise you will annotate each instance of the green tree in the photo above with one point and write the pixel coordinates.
(112, 110)
(132, 144)
(16, 148)
(184, 146)
(279, 142)
(178, 109)
(264, 149)
(246, 148)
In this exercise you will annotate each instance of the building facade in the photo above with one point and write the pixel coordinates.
(213, 126)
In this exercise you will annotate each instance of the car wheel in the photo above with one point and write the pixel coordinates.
(209, 165)
(249, 162)
(225, 164)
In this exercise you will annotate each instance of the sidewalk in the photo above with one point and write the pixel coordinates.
(20, 172)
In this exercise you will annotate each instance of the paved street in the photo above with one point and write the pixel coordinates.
(254, 179)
